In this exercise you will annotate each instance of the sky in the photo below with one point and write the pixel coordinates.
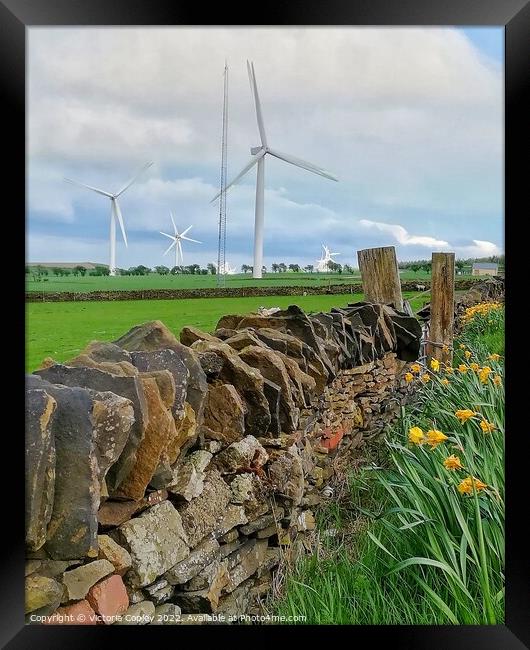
(410, 120)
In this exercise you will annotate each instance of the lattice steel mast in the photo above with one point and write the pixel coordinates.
(221, 250)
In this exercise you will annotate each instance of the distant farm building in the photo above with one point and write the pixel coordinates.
(485, 268)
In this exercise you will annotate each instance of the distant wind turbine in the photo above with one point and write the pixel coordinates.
(322, 263)
(177, 241)
(115, 213)
(258, 157)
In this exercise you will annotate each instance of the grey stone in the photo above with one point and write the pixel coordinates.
(154, 335)
(72, 530)
(129, 387)
(155, 540)
(40, 465)
(200, 515)
(188, 568)
(141, 613)
(241, 454)
(78, 581)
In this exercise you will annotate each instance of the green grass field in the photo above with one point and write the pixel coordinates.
(61, 329)
(155, 281)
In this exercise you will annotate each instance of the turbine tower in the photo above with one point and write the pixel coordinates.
(258, 158)
(115, 213)
(177, 241)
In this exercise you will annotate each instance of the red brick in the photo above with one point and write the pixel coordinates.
(331, 440)
(109, 597)
(79, 613)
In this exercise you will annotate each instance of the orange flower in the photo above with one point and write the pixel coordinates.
(494, 357)
(445, 382)
(453, 462)
(434, 438)
(497, 380)
(416, 435)
(466, 486)
(409, 377)
(415, 367)
(463, 368)
(484, 374)
(467, 354)
(487, 427)
(425, 378)
(449, 370)
(474, 366)
(464, 414)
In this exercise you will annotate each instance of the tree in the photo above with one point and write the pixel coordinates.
(57, 271)
(415, 267)
(79, 270)
(282, 267)
(295, 268)
(264, 269)
(274, 267)
(211, 268)
(162, 270)
(309, 268)
(245, 268)
(427, 266)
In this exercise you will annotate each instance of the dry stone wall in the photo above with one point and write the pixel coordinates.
(223, 292)
(168, 477)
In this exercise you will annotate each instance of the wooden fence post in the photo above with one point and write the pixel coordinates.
(380, 276)
(442, 307)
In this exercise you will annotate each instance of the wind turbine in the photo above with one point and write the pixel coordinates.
(322, 264)
(258, 158)
(177, 241)
(115, 213)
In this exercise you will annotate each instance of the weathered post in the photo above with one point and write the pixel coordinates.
(380, 276)
(442, 308)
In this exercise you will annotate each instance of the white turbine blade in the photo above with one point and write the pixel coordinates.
(131, 181)
(95, 189)
(298, 162)
(259, 114)
(245, 169)
(166, 235)
(173, 222)
(190, 239)
(170, 247)
(185, 231)
(181, 253)
(119, 216)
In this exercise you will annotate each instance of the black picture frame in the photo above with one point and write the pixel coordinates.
(18, 15)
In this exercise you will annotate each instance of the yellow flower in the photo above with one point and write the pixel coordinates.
(416, 435)
(409, 377)
(494, 357)
(484, 374)
(453, 462)
(434, 438)
(449, 370)
(463, 368)
(487, 427)
(415, 367)
(435, 365)
(462, 346)
(474, 366)
(466, 486)
(464, 414)
(445, 349)
(467, 354)
(445, 382)
(497, 380)
(425, 378)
